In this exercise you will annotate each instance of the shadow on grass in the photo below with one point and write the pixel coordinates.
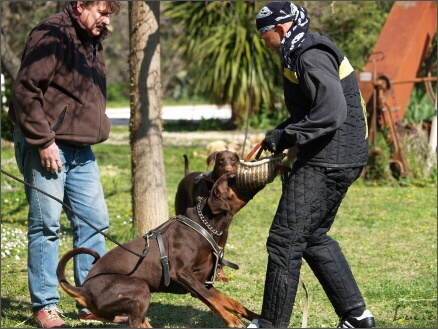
(198, 125)
(164, 315)
(15, 314)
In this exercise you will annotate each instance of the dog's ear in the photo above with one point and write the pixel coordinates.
(220, 194)
(211, 159)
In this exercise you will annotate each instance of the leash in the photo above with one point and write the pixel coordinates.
(306, 305)
(154, 234)
(142, 255)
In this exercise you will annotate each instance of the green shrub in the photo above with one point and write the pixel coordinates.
(421, 161)
(420, 107)
(380, 152)
(7, 128)
(118, 93)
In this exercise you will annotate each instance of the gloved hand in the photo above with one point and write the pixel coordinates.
(272, 141)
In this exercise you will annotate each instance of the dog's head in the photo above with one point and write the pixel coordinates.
(226, 197)
(224, 162)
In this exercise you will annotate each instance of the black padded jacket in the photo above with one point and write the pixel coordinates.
(327, 113)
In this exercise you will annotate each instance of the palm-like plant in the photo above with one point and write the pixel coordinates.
(227, 61)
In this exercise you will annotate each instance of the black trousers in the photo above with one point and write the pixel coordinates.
(307, 208)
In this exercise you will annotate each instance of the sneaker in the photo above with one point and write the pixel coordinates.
(254, 324)
(90, 317)
(49, 318)
(366, 320)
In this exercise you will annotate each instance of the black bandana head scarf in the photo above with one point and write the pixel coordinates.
(279, 12)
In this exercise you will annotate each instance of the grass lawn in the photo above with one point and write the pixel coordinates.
(389, 235)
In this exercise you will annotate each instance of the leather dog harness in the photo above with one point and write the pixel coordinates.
(218, 252)
(157, 233)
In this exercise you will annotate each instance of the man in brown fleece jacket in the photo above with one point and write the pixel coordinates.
(58, 108)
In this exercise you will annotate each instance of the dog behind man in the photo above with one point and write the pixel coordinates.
(196, 184)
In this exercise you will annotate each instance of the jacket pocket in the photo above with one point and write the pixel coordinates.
(19, 144)
(60, 119)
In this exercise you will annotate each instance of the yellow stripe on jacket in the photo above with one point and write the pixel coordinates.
(345, 69)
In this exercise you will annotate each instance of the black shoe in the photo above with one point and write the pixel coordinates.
(366, 320)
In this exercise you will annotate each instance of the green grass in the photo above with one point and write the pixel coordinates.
(387, 233)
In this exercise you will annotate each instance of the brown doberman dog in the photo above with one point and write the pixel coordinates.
(121, 281)
(199, 184)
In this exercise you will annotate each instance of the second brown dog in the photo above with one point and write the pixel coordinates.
(199, 184)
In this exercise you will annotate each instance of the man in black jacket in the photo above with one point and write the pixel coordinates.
(327, 125)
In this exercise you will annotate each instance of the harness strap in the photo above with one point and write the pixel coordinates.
(164, 259)
(145, 250)
(198, 228)
(158, 235)
(204, 176)
(225, 262)
(218, 251)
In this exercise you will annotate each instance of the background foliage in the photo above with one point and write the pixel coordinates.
(212, 48)
(238, 70)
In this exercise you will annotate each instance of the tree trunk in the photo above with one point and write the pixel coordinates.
(149, 197)
(10, 61)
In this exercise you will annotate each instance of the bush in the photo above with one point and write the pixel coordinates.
(421, 161)
(420, 107)
(378, 169)
(7, 132)
(118, 93)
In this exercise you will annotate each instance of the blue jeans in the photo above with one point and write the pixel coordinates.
(79, 186)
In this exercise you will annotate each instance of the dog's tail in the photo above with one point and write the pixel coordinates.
(76, 292)
(186, 165)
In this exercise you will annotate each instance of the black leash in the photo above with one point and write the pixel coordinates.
(142, 255)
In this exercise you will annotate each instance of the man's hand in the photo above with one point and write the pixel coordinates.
(50, 158)
(272, 140)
